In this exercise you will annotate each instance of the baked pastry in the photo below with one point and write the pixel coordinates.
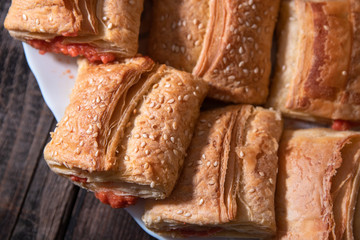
(227, 43)
(227, 185)
(318, 184)
(98, 30)
(317, 75)
(126, 129)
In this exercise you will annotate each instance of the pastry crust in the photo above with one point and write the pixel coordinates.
(109, 25)
(318, 71)
(227, 43)
(127, 127)
(227, 184)
(318, 184)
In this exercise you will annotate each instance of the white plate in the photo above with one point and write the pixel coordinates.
(56, 75)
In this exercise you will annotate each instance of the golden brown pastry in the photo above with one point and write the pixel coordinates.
(127, 128)
(98, 30)
(318, 61)
(318, 185)
(228, 182)
(227, 43)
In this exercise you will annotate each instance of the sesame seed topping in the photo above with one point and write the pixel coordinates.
(109, 26)
(146, 165)
(180, 212)
(137, 136)
(77, 150)
(261, 174)
(174, 125)
(231, 78)
(200, 26)
(251, 190)
(187, 215)
(197, 43)
(96, 153)
(165, 137)
(145, 135)
(37, 21)
(216, 164)
(152, 104)
(172, 139)
(24, 17)
(143, 144)
(241, 63)
(81, 143)
(171, 101)
(151, 137)
(208, 164)
(228, 46)
(270, 180)
(152, 184)
(188, 37)
(256, 70)
(201, 201)
(242, 154)
(175, 152)
(241, 50)
(344, 73)
(195, 21)
(167, 85)
(126, 158)
(105, 18)
(283, 68)
(186, 97)
(147, 152)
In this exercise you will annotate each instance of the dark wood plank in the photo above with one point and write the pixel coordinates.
(47, 208)
(94, 220)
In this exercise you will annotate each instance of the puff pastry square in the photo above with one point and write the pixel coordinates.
(318, 72)
(227, 43)
(127, 128)
(98, 30)
(228, 182)
(318, 185)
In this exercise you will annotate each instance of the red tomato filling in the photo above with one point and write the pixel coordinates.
(115, 201)
(78, 179)
(72, 49)
(341, 125)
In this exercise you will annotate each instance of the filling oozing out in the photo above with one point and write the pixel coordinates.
(73, 49)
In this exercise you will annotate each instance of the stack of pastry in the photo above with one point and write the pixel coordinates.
(132, 128)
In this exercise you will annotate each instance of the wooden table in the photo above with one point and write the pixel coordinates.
(34, 202)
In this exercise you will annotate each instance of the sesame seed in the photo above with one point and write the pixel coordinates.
(270, 180)
(152, 104)
(182, 49)
(96, 144)
(167, 85)
(197, 43)
(179, 98)
(143, 144)
(224, 60)
(232, 77)
(126, 158)
(201, 201)
(200, 26)
(147, 152)
(172, 139)
(241, 50)
(171, 101)
(246, 71)
(242, 154)
(155, 86)
(186, 97)
(344, 73)
(137, 136)
(132, 2)
(37, 21)
(179, 23)
(24, 17)
(216, 164)
(228, 46)
(81, 143)
(146, 165)
(187, 215)
(195, 21)
(105, 18)
(211, 182)
(151, 137)
(180, 212)
(96, 153)
(251, 2)
(283, 68)
(251, 190)
(152, 185)
(261, 174)
(165, 137)
(174, 125)
(208, 164)
(110, 25)
(145, 135)
(188, 37)
(241, 63)
(256, 70)
(175, 152)
(194, 93)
